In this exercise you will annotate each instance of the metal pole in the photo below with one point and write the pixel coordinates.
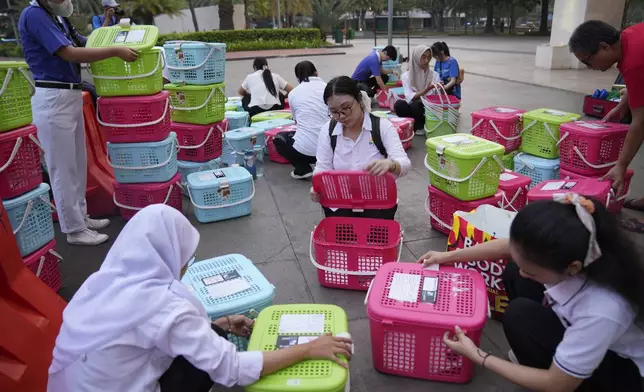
(375, 30)
(408, 28)
(13, 22)
(390, 22)
(279, 15)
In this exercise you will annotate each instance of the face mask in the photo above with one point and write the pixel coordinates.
(64, 9)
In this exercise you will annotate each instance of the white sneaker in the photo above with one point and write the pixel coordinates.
(420, 132)
(512, 357)
(96, 224)
(86, 237)
(303, 176)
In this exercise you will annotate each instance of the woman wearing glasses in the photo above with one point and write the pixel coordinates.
(354, 139)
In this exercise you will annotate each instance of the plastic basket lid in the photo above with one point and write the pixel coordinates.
(171, 136)
(551, 116)
(270, 124)
(190, 87)
(13, 64)
(462, 145)
(138, 37)
(498, 112)
(589, 187)
(215, 178)
(193, 45)
(592, 128)
(16, 201)
(236, 115)
(196, 165)
(538, 162)
(243, 133)
(357, 190)
(273, 115)
(510, 179)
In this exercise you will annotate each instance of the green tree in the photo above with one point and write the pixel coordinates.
(437, 9)
(327, 14)
(226, 11)
(295, 7)
(144, 11)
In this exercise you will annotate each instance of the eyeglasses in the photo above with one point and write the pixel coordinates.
(345, 112)
(588, 61)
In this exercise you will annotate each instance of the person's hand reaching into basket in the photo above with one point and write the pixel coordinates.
(238, 325)
(126, 54)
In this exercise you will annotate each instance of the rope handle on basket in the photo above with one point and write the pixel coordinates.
(524, 163)
(174, 145)
(546, 126)
(147, 124)
(510, 203)
(160, 60)
(30, 205)
(249, 198)
(7, 79)
(210, 132)
(213, 48)
(167, 198)
(496, 129)
(434, 217)
(601, 166)
(241, 152)
(203, 105)
(472, 173)
(42, 261)
(408, 139)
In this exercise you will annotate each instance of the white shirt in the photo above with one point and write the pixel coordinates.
(597, 319)
(355, 155)
(259, 95)
(136, 360)
(409, 90)
(310, 112)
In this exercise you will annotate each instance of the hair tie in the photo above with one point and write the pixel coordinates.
(585, 209)
(265, 67)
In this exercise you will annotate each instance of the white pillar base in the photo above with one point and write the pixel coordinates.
(556, 57)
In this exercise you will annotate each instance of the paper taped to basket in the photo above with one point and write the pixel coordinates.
(484, 224)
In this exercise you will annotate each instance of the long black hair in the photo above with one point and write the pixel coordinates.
(305, 70)
(551, 235)
(259, 64)
(440, 47)
(342, 85)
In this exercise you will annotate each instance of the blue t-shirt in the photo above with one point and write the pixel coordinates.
(368, 67)
(98, 20)
(446, 70)
(41, 37)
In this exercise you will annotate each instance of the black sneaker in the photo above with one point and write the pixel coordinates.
(301, 176)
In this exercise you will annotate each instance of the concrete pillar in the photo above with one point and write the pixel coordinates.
(567, 15)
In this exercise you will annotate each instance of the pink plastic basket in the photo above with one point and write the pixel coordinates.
(200, 143)
(286, 105)
(20, 170)
(44, 263)
(135, 119)
(445, 100)
(500, 125)
(514, 187)
(131, 198)
(349, 251)
(383, 100)
(617, 203)
(405, 128)
(441, 208)
(394, 97)
(273, 155)
(407, 333)
(590, 148)
(356, 190)
(588, 187)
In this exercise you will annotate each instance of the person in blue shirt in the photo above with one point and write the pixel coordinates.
(447, 68)
(55, 51)
(109, 15)
(369, 72)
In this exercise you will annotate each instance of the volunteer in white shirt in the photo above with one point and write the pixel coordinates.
(262, 90)
(133, 326)
(362, 141)
(586, 334)
(310, 113)
(417, 82)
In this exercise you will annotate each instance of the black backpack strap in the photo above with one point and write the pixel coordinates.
(375, 134)
(334, 138)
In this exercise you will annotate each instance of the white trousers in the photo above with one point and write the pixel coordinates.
(58, 115)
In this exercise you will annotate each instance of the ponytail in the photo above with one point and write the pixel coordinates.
(440, 48)
(260, 63)
(446, 49)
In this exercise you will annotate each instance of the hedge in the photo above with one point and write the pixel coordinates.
(10, 50)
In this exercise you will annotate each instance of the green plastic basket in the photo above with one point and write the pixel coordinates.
(307, 376)
(508, 160)
(139, 37)
(201, 105)
(464, 166)
(272, 115)
(230, 107)
(16, 89)
(434, 127)
(541, 131)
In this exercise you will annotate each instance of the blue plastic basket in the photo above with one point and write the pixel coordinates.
(237, 120)
(236, 101)
(209, 279)
(389, 65)
(187, 167)
(221, 194)
(31, 219)
(144, 162)
(537, 168)
(239, 140)
(194, 62)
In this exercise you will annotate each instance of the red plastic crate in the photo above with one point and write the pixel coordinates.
(405, 128)
(349, 251)
(131, 198)
(441, 207)
(500, 125)
(590, 148)
(273, 155)
(200, 143)
(20, 170)
(596, 107)
(356, 190)
(383, 99)
(44, 263)
(135, 119)
(587, 187)
(514, 187)
(617, 203)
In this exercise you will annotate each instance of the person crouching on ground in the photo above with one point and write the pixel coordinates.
(369, 72)
(261, 91)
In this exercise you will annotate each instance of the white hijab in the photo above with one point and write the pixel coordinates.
(419, 78)
(138, 277)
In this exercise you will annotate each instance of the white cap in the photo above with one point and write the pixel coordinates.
(110, 3)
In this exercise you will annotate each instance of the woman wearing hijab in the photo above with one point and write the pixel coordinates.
(133, 326)
(417, 82)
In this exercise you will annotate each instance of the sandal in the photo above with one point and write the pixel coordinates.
(628, 204)
(634, 225)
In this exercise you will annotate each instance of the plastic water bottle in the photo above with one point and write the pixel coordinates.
(249, 162)
(259, 160)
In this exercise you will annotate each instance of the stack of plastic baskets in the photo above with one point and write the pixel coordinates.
(589, 187)
(347, 252)
(411, 308)
(501, 125)
(221, 194)
(442, 115)
(237, 120)
(273, 155)
(272, 115)
(405, 127)
(230, 285)
(239, 141)
(23, 194)
(236, 102)
(464, 172)
(538, 169)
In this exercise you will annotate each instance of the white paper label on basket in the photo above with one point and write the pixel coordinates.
(293, 382)
(302, 323)
(505, 110)
(553, 186)
(590, 126)
(404, 287)
(505, 176)
(457, 139)
(433, 267)
(135, 37)
(555, 113)
(229, 287)
(207, 176)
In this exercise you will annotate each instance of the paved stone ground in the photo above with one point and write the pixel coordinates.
(276, 235)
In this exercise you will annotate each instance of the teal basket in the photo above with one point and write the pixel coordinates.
(135, 163)
(194, 62)
(537, 168)
(187, 167)
(237, 120)
(210, 280)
